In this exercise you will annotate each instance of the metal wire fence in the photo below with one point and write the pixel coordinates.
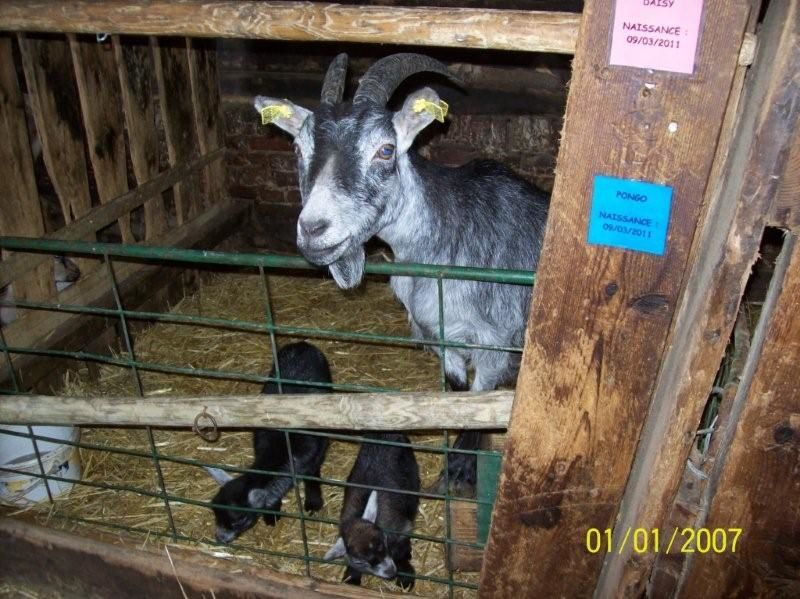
(263, 265)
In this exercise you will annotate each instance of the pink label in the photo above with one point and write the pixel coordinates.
(656, 34)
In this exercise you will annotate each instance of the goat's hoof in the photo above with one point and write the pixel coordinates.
(313, 504)
(352, 577)
(406, 580)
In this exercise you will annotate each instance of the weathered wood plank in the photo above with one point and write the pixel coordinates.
(136, 75)
(105, 214)
(56, 110)
(207, 111)
(345, 411)
(727, 247)
(756, 476)
(54, 561)
(600, 316)
(786, 209)
(177, 113)
(21, 213)
(98, 88)
(40, 330)
(304, 21)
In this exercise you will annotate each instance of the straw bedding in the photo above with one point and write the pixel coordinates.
(300, 301)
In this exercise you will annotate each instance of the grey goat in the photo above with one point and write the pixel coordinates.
(359, 179)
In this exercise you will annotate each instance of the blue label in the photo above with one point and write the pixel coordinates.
(633, 215)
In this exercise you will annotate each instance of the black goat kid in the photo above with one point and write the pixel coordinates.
(373, 523)
(299, 362)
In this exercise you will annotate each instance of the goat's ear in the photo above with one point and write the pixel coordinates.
(283, 113)
(219, 475)
(419, 109)
(336, 551)
(371, 511)
(256, 497)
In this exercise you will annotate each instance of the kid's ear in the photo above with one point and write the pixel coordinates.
(371, 511)
(336, 551)
(219, 475)
(283, 113)
(419, 109)
(256, 498)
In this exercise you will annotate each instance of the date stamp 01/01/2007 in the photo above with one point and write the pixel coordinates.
(679, 540)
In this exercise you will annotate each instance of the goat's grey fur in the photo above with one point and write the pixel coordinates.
(358, 179)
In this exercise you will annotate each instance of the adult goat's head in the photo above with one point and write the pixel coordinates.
(347, 157)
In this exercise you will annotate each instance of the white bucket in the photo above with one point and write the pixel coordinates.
(58, 459)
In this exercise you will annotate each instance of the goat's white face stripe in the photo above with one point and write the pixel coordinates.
(321, 206)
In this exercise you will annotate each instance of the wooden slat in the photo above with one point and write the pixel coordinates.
(56, 111)
(207, 110)
(101, 216)
(41, 330)
(600, 316)
(52, 562)
(98, 87)
(786, 209)
(727, 247)
(356, 411)
(21, 213)
(755, 482)
(136, 75)
(177, 113)
(303, 21)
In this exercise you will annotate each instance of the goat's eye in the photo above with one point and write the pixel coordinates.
(385, 152)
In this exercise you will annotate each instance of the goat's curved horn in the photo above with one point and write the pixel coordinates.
(383, 77)
(335, 78)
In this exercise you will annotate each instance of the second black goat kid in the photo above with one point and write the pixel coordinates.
(300, 362)
(373, 524)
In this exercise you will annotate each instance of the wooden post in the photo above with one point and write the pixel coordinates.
(727, 246)
(754, 485)
(21, 213)
(136, 76)
(207, 111)
(600, 315)
(175, 95)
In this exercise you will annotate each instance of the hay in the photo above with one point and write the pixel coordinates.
(297, 301)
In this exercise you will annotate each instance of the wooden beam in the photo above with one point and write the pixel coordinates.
(756, 476)
(303, 21)
(177, 114)
(40, 329)
(727, 247)
(137, 78)
(207, 110)
(49, 561)
(341, 411)
(106, 214)
(21, 213)
(101, 106)
(600, 316)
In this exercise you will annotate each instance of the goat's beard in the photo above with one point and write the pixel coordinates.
(348, 270)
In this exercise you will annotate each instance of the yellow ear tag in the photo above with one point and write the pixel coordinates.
(269, 114)
(437, 110)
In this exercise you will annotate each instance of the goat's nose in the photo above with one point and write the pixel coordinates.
(314, 228)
